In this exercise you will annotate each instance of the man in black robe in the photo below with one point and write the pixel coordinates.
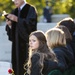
(19, 25)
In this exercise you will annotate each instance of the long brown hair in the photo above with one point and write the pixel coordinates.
(67, 33)
(43, 51)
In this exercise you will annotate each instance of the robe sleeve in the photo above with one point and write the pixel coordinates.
(8, 29)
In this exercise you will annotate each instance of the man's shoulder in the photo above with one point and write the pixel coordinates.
(32, 6)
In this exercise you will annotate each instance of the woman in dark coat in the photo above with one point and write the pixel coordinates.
(57, 41)
(69, 23)
(68, 44)
(41, 60)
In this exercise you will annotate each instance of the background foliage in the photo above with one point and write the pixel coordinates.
(59, 6)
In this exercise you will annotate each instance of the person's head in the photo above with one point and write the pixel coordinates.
(69, 23)
(37, 41)
(55, 38)
(67, 33)
(47, 3)
(18, 3)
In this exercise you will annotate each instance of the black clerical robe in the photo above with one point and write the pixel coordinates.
(19, 35)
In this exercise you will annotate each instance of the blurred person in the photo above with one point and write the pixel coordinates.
(57, 42)
(19, 24)
(69, 23)
(68, 44)
(47, 13)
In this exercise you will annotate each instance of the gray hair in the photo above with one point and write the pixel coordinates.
(24, 1)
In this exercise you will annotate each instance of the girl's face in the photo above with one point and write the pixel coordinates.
(33, 42)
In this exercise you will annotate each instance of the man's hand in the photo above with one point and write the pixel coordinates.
(8, 22)
(12, 17)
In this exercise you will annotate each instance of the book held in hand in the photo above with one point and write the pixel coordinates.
(5, 15)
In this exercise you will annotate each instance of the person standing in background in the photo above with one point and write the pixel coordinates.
(47, 13)
(19, 24)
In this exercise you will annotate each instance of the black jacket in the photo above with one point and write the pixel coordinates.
(63, 56)
(48, 65)
(71, 51)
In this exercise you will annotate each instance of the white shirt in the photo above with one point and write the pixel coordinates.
(22, 5)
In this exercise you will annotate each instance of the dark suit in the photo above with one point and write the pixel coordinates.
(47, 14)
(19, 33)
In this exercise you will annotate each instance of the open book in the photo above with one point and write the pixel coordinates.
(5, 15)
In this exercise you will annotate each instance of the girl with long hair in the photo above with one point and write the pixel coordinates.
(41, 59)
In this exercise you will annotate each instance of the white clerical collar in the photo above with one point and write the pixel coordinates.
(47, 7)
(22, 6)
